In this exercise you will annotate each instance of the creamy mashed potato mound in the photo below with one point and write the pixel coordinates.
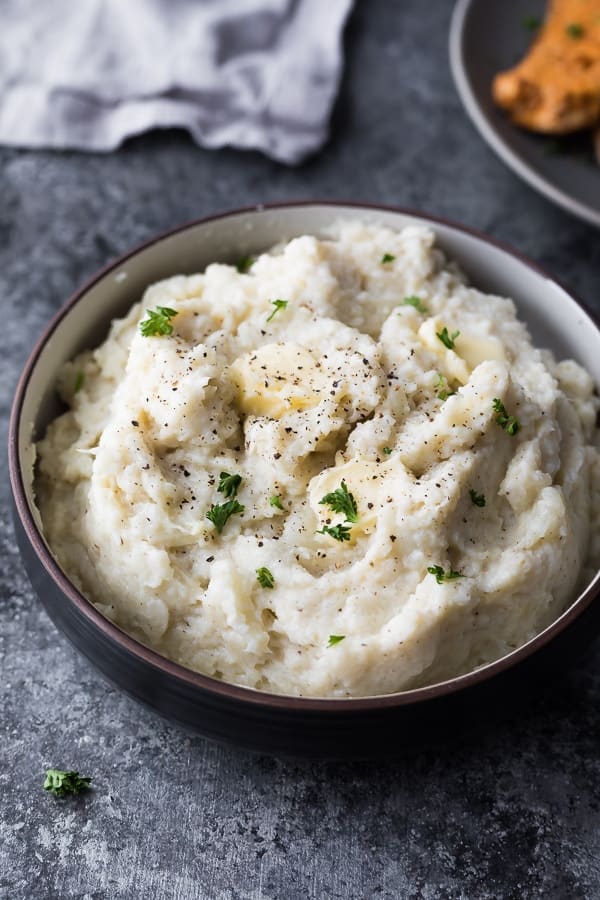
(469, 457)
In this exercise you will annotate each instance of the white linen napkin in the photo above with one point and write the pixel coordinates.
(254, 74)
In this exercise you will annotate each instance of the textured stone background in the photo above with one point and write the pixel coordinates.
(512, 813)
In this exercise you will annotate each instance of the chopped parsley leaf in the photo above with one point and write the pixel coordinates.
(229, 484)
(387, 450)
(342, 501)
(387, 258)
(219, 514)
(62, 783)
(265, 577)
(531, 23)
(575, 30)
(338, 532)
(158, 321)
(277, 304)
(443, 389)
(335, 639)
(441, 576)
(509, 423)
(80, 378)
(553, 148)
(275, 501)
(244, 264)
(417, 303)
(478, 499)
(447, 339)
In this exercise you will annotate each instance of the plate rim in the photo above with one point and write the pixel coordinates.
(493, 139)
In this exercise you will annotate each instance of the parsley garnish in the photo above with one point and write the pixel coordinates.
(478, 499)
(219, 514)
(447, 339)
(245, 264)
(339, 532)
(265, 577)
(441, 576)
(158, 321)
(78, 382)
(531, 23)
(575, 30)
(335, 639)
(387, 450)
(509, 423)
(342, 501)
(62, 783)
(278, 304)
(552, 148)
(229, 484)
(443, 388)
(275, 501)
(417, 303)
(387, 258)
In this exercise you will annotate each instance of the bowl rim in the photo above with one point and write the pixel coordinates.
(197, 680)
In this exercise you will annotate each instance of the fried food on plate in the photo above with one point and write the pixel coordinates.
(555, 89)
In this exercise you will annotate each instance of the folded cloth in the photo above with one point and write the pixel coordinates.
(254, 74)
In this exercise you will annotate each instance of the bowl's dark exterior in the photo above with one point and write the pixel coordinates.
(373, 727)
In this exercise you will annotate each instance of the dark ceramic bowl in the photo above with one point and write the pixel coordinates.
(365, 727)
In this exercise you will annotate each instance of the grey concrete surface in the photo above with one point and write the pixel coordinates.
(513, 811)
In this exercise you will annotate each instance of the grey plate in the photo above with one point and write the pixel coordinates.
(485, 37)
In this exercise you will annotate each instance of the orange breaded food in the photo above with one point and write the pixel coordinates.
(556, 88)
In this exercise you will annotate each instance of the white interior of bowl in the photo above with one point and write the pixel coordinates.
(555, 320)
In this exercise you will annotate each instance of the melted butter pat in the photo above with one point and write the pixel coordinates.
(278, 379)
(469, 352)
(369, 482)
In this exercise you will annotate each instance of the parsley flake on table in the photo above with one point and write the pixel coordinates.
(553, 148)
(244, 264)
(158, 322)
(278, 305)
(342, 501)
(335, 639)
(477, 499)
(387, 258)
(265, 577)
(443, 388)
(229, 484)
(531, 23)
(575, 30)
(441, 576)
(275, 501)
(338, 532)
(447, 339)
(79, 379)
(62, 783)
(509, 423)
(417, 303)
(219, 514)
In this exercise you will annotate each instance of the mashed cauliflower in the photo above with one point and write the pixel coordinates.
(342, 472)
